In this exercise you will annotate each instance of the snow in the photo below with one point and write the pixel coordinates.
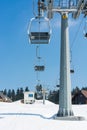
(38, 116)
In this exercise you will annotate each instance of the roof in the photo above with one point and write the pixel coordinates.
(4, 97)
(84, 92)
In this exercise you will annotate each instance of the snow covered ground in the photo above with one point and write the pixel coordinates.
(18, 116)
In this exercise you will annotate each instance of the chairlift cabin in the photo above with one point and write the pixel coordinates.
(39, 66)
(39, 30)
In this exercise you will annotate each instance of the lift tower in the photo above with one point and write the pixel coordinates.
(65, 108)
(64, 7)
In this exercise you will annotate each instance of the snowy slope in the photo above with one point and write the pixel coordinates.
(18, 116)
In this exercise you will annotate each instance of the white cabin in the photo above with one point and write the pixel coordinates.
(29, 97)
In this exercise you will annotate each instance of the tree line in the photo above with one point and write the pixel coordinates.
(15, 95)
(18, 94)
(53, 95)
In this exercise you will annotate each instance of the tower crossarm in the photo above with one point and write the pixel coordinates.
(81, 8)
(85, 9)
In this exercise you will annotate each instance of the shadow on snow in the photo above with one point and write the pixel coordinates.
(26, 114)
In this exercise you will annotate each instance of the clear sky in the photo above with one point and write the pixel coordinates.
(17, 55)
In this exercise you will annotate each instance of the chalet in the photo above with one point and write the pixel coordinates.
(4, 98)
(80, 97)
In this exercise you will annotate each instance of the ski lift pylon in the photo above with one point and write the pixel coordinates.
(39, 30)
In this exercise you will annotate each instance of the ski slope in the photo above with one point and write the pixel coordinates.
(37, 116)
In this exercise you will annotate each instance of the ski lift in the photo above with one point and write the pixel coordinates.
(39, 30)
(58, 85)
(85, 30)
(72, 67)
(72, 71)
(39, 65)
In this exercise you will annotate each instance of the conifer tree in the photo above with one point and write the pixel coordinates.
(26, 89)
(9, 93)
(5, 91)
(13, 95)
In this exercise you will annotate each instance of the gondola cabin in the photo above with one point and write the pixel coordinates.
(39, 30)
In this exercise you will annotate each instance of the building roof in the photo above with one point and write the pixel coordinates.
(4, 97)
(84, 92)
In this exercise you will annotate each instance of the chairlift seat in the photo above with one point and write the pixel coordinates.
(57, 85)
(39, 68)
(85, 35)
(71, 71)
(39, 37)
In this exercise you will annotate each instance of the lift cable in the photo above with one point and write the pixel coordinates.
(72, 44)
(34, 8)
(72, 66)
(85, 29)
(38, 59)
(77, 32)
(38, 51)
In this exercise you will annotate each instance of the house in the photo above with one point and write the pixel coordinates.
(80, 97)
(4, 98)
(29, 97)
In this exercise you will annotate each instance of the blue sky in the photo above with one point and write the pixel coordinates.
(17, 55)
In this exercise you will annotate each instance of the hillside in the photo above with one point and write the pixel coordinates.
(18, 116)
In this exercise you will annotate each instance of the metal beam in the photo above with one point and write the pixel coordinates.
(80, 7)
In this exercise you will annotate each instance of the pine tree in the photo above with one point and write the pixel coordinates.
(26, 89)
(17, 94)
(5, 91)
(9, 93)
(21, 93)
(39, 87)
(13, 95)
